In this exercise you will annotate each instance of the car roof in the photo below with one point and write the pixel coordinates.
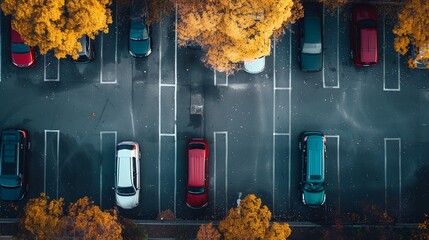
(255, 66)
(315, 158)
(124, 171)
(196, 167)
(368, 48)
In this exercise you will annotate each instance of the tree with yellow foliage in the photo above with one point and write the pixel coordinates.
(251, 221)
(231, 31)
(208, 232)
(86, 221)
(412, 28)
(45, 219)
(57, 24)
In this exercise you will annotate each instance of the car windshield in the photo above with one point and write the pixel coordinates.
(367, 23)
(138, 31)
(196, 190)
(196, 146)
(20, 48)
(314, 187)
(126, 191)
(312, 48)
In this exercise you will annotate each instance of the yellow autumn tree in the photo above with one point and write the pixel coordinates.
(57, 24)
(87, 221)
(412, 28)
(43, 217)
(250, 220)
(231, 31)
(208, 232)
(46, 219)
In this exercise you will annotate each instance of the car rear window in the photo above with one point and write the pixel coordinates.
(125, 146)
(197, 146)
(196, 190)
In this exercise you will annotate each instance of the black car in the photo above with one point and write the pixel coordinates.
(13, 160)
(87, 54)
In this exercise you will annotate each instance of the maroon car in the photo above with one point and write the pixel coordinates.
(22, 54)
(363, 36)
(198, 173)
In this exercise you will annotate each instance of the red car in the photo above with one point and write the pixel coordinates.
(363, 36)
(22, 54)
(198, 173)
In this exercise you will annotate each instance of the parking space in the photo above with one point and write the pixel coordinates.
(375, 120)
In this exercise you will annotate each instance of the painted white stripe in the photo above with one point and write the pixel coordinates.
(281, 134)
(385, 172)
(282, 88)
(323, 52)
(338, 52)
(274, 129)
(159, 117)
(57, 132)
(168, 85)
(338, 170)
(220, 84)
(175, 112)
(167, 134)
(215, 165)
(384, 61)
(44, 71)
(101, 165)
(101, 56)
(0, 42)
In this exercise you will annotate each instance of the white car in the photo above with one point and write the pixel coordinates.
(127, 174)
(255, 66)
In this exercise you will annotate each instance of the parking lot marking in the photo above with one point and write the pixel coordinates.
(338, 169)
(160, 133)
(399, 172)
(116, 51)
(57, 132)
(338, 51)
(101, 165)
(384, 62)
(0, 43)
(57, 79)
(215, 83)
(226, 169)
(275, 89)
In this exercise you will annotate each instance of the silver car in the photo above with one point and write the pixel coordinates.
(127, 174)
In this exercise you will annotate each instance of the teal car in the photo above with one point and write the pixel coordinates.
(313, 182)
(310, 39)
(139, 41)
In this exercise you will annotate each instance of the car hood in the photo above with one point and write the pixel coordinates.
(127, 202)
(311, 62)
(314, 198)
(140, 47)
(196, 200)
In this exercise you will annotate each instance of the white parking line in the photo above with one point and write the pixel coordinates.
(226, 169)
(338, 169)
(44, 71)
(101, 165)
(384, 62)
(0, 42)
(57, 158)
(385, 172)
(220, 84)
(116, 51)
(338, 51)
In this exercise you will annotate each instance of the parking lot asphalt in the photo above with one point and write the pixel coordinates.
(375, 120)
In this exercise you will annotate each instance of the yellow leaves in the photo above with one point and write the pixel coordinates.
(208, 232)
(252, 221)
(231, 31)
(57, 24)
(413, 20)
(45, 219)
